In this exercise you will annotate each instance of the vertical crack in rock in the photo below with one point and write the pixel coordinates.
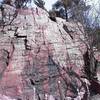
(4, 61)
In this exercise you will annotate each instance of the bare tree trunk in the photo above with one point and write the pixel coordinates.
(66, 12)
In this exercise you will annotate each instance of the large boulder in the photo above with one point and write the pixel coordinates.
(43, 55)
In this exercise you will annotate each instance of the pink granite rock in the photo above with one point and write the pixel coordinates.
(41, 52)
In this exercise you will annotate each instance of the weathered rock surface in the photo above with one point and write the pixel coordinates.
(41, 53)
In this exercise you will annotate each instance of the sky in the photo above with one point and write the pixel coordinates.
(48, 3)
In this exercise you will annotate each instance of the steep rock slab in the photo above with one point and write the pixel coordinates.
(42, 53)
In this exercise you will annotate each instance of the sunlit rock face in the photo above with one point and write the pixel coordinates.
(36, 53)
(3, 97)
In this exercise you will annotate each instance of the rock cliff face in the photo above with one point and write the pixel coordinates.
(40, 58)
